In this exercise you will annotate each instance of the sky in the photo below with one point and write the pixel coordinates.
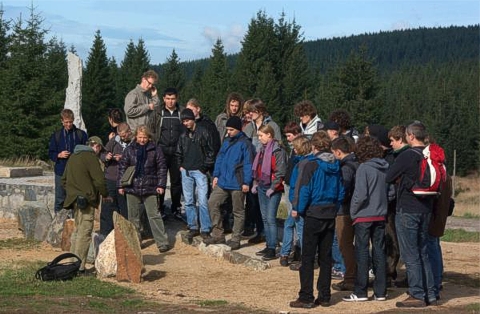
(192, 27)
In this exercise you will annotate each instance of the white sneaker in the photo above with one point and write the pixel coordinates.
(379, 298)
(353, 298)
(371, 275)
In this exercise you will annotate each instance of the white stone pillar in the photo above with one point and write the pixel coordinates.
(73, 100)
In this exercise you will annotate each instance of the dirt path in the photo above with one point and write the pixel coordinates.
(184, 275)
(468, 224)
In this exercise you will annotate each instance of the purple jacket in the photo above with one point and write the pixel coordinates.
(155, 170)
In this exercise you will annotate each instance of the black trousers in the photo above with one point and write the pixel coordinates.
(317, 238)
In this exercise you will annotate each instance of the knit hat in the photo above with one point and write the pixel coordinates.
(234, 122)
(380, 133)
(330, 125)
(187, 114)
(95, 140)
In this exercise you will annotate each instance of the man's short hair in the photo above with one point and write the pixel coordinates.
(123, 127)
(305, 108)
(418, 130)
(344, 143)
(115, 114)
(67, 114)
(321, 141)
(170, 91)
(368, 147)
(293, 128)
(398, 132)
(302, 145)
(150, 73)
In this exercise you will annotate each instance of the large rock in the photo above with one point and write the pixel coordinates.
(34, 220)
(128, 251)
(106, 261)
(68, 228)
(73, 99)
(54, 235)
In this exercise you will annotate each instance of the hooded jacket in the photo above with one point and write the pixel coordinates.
(83, 176)
(370, 197)
(318, 189)
(155, 170)
(115, 146)
(64, 140)
(312, 126)
(349, 166)
(251, 130)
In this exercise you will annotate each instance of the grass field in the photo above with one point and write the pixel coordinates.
(467, 196)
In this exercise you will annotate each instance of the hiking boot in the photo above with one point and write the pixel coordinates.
(234, 245)
(213, 240)
(343, 286)
(257, 239)
(322, 303)
(192, 233)
(411, 302)
(302, 304)
(164, 248)
(354, 298)
(295, 266)
(284, 261)
(269, 255)
(261, 252)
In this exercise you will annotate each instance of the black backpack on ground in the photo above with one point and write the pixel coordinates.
(60, 271)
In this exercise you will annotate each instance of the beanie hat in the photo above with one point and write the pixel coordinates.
(380, 133)
(187, 114)
(95, 140)
(330, 125)
(234, 122)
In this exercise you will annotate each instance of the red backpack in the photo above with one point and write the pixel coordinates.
(432, 172)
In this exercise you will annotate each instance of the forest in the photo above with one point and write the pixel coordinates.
(388, 78)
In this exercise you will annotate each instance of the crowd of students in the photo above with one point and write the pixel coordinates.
(344, 190)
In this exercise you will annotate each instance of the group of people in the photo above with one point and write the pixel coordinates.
(344, 190)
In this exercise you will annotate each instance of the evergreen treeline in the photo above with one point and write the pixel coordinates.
(427, 74)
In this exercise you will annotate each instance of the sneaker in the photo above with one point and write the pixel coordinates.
(371, 274)
(353, 298)
(192, 233)
(164, 248)
(338, 275)
(343, 286)
(284, 261)
(213, 240)
(302, 304)
(261, 252)
(257, 239)
(295, 266)
(270, 255)
(322, 303)
(248, 233)
(178, 216)
(379, 298)
(234, 245)
(411, 302)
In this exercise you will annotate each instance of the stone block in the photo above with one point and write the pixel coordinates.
(106, 261)
(34, 219)
(68, 228)
(127, 249)
(54, 235)
(18, 172)
(256, 264)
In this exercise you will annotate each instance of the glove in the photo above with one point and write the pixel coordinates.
(269, 192)
(254, 189)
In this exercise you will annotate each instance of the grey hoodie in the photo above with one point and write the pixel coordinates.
(370, 198)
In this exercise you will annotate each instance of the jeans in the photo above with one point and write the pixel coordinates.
(268, 208)
(337, 257)
(412, 233)
(195, 180)
(317, 238)
(436, 261)
(118, 204)
(60, 194)
(364, 232)
(290, 224)
(154, 218)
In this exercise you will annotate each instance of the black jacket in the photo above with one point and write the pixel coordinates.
(166, 128)
(195, 150)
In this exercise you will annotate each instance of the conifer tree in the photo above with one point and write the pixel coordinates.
(172, 74)
(98, 89)
(215, 81)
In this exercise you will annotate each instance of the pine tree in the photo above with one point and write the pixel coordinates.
(215, 81)
(172, 74)
(98, 88)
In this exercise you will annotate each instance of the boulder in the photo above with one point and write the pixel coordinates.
(54, 235)
(34, 220)
(106, 261)
(128, 250)
(68, 228)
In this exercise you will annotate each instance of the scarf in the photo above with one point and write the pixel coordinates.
(266, 170)
(141, 158)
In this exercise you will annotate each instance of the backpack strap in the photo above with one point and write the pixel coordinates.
(64, 256)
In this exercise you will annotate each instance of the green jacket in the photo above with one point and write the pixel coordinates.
(83, 176)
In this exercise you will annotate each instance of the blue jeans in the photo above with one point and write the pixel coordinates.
(337, 257)
(60, 194)
(268, 208)
(412, 233)
(289, 225)
(196, 180)
(364, 232)
(436, 261)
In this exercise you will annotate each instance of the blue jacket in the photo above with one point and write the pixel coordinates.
(64, 140)
(233, 166)
(296, 159)
(318, 189)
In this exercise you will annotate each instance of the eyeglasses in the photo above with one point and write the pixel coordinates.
(150, 83)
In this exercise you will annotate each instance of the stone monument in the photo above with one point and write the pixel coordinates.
(73, 100)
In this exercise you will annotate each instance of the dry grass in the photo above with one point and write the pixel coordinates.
(25, 162)
(467, 196)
